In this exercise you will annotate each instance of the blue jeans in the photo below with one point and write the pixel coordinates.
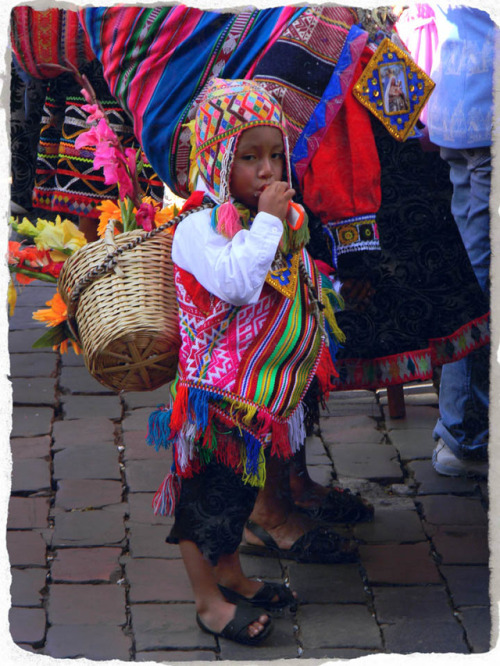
(464, 390)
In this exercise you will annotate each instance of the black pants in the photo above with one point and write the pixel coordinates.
(212, 510)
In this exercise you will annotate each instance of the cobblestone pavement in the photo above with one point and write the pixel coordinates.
(93, 577)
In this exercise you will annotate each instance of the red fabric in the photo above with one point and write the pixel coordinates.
(343, 177)
(42, 39)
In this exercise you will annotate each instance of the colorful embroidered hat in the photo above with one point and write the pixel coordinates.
(227, 108)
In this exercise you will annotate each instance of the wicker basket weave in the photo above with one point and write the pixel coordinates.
(122, 306)
(126, 319)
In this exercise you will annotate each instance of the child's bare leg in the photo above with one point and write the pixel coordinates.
(274, 509)
(214, 611)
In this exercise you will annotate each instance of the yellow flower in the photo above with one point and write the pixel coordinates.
(57, 313)
(62, 238)
(26, 228)
(11, 297)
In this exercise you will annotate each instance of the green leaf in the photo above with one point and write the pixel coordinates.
(54, 336)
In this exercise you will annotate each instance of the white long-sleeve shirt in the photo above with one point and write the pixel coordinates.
(233, 270)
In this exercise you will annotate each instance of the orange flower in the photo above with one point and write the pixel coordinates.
(164, 215)
(109, 211)
(57, 313)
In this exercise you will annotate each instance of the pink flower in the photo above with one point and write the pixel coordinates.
(94, 112)
(87, 95)
(145, 216)
(90, 138)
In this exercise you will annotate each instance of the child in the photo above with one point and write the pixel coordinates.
(253, 338)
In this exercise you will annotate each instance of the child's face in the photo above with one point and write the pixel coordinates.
(258, 162)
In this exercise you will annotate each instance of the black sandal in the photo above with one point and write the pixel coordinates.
(237, 629)
(264, 597)
(340, 506)
(320, 545)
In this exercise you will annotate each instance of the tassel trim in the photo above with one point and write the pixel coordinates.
(167, 495)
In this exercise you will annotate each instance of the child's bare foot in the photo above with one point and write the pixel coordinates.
(219, 614)
(235, 586)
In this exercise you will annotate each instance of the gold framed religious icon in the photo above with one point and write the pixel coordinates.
(394, 88)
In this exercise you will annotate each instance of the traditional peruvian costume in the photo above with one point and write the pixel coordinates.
(256, 319)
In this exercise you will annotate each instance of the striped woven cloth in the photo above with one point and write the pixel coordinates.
(157, 59)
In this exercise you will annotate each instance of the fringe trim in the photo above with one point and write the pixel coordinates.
(167, 495)
(159, 433)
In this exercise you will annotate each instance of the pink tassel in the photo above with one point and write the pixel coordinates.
(228, 220)
(166, 496)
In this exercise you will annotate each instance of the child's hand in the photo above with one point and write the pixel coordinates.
(274, 199)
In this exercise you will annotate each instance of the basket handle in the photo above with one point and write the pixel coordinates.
(112, 259)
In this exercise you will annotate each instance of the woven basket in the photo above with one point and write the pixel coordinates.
(125, 319)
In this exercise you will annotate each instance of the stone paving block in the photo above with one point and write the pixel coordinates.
(426, 397)
(399, 564)
(367, 461)
(347, 430)
(144, 476)
(73, 360)
(96, 642)
(86, 565)
(96, 461)
(477, 623)
(30, 447)
(431, 483)
(141, 511)
(420, 636)
(417, 417)
(27, 625)
(26, 513)
(22, 319)
(169, 656)
(87, 528)
(79, 406)
(34, 390)
(167, 626)
(87, 493)
(89, 430)
(429, 603)
(149, 541)
(136, 448)
(86, 604)
(137, 419)
(149, 399)
(391, 525)
(335, 653)
(30, 475)
(77, 379)
(450, 510)
(353, 410)
(468, 585)
(338, 625)
(21, 341)
(460, 544)
(281, 644)
(36, 294)
(359, 396)
(412, 444)
(321, 474)
(27, 586)
(36, 364)
(267, 568)
(31, 421)
(326, 583)
(315, 449)
(26, 548)
(157, 580)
